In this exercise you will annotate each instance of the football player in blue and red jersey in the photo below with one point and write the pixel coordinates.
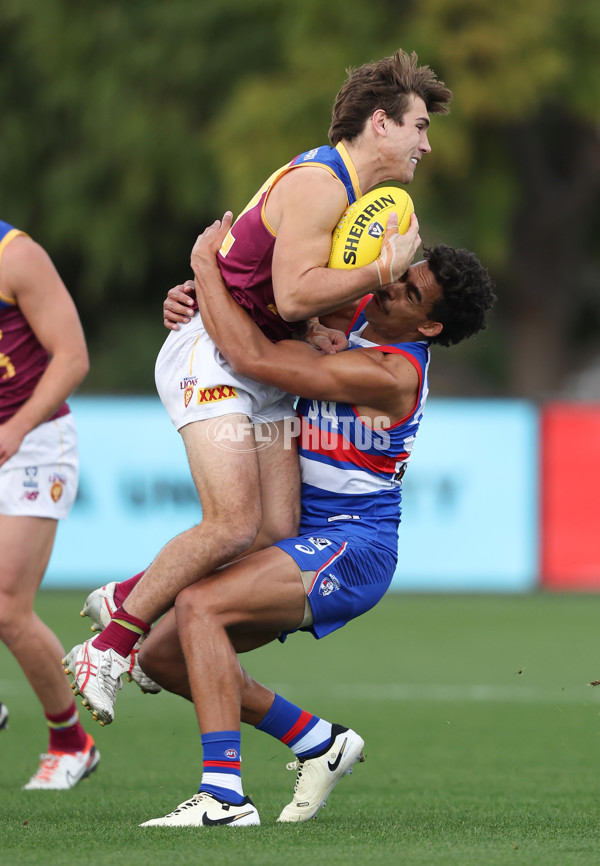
(359, 413)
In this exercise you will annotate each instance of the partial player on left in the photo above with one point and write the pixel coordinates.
(43, 358)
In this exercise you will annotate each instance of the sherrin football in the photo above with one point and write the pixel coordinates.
(357, 238)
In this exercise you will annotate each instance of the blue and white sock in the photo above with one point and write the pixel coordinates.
(222, 770)
(305, 734)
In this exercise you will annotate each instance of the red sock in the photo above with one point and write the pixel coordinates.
(66, 732)
(122, 633)
(123, 589)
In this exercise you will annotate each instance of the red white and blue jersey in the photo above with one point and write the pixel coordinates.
(352, 471)
(22, 357)
(246, 256)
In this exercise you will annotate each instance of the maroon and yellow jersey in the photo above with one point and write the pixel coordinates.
(22, 357)
(246, 256)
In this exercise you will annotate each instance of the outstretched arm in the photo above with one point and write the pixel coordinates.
(179, 305)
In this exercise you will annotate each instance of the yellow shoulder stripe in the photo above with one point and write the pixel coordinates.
(8, 237)
(350, 166)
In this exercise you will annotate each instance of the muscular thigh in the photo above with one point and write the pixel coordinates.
(224, 465)
(262, 592)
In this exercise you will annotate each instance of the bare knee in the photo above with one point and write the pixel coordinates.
(190, 604)
(234, 532)
(14, 614)
(240, 538)
(286, 526)
(200, 608)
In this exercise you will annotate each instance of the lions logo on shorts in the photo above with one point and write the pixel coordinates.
(187, 386)
(56, 491)
(57, 483)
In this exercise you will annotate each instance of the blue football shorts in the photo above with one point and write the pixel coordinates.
(344, 576)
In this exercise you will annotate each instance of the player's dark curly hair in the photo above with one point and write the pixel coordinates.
(467, 293)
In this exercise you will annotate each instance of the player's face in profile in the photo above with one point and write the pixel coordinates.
(404, 305)
(406, 143)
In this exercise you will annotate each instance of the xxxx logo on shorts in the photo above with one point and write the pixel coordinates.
(213, 395)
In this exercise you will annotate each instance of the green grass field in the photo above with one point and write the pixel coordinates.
(482, 746)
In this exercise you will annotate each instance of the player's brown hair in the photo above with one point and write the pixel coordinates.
(386, 84)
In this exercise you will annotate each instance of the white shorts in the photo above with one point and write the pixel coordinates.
(40, 480)
(195, 382)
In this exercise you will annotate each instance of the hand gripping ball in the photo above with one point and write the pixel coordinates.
(357, 238)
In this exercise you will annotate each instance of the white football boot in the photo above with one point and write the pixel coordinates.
(100, 606)
(59, 771)
(3, 717)
(96, 677)
(204, 810)
(135, 674)
(318, 776)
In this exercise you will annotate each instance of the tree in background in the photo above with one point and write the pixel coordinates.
(105, 153)
(128, 126)
(527, 156)
(515, 172)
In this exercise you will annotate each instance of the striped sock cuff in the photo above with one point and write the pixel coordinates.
(312, 741)
(287, 722)
(65, 723)
(222, 765)
(128, 620)
(302, 726)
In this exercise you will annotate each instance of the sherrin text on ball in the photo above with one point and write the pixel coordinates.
(357, 238)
